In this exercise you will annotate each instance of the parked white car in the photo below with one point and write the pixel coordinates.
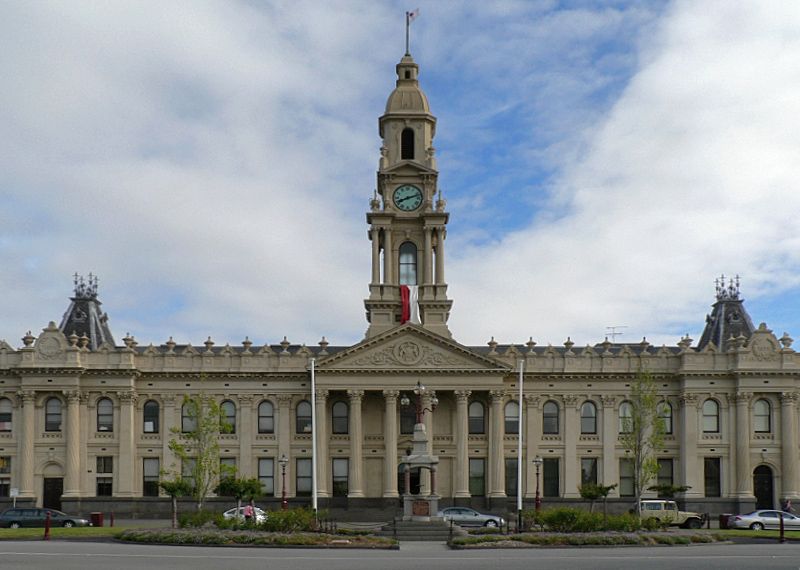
(261, 515)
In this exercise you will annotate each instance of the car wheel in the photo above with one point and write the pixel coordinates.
(14, 525)
(68, 524)
(694, 523)
(491, 523)
(756, 526)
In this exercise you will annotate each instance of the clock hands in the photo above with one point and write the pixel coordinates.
(413, 196)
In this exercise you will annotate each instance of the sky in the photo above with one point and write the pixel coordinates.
(212, 162)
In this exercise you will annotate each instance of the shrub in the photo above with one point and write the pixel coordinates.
(292, 520)
(200, 519)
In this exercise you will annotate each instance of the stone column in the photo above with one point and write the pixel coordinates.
(610, 437)
(533, 434)
(427, 419)
(789, 444)
(127, 446)
(689, 469)
(388, 258)
(497, 466)
(744, 478)
(390, 443)
(356, 445)
(322, 443)
(440, 234)
(73, 445)
(285, 442)
(571, 430)
(376, 256)
(26, 443)
(169, 462)
(461, 468)
(245, 431)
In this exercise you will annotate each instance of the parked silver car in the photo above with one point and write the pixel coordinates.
(260, 514)
(463, 516)
(769, 519)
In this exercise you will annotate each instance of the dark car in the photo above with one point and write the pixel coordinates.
(16, 518)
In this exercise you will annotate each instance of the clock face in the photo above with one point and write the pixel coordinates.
(407, 197)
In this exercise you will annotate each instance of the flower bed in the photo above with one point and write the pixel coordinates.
(539, 539)
(221, 537)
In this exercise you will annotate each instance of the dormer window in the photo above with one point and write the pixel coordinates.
(407, 144)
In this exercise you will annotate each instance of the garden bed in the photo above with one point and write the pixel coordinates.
(552, 539)
(222, 537)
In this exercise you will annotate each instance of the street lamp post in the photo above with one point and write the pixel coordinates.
(537, 461)
(419, 392)
(283, 461)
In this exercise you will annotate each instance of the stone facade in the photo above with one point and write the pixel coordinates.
(86, 423)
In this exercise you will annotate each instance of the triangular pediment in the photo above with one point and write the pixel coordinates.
(408, 348)
(408, 167)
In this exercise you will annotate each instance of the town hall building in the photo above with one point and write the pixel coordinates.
(85, 422)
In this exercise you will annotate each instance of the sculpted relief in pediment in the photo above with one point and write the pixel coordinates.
(408, 352)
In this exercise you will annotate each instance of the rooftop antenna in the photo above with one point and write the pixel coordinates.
(410, 17)
(613, 333)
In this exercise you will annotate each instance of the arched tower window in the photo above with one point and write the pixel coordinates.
(227, 422)
(710, 416)
(5, 414)
(303, 417)
(512, 417)
(407, 144)
(105, 415)
(550, 418)
(341, 417)
(761, 416)
(588, 418)
(625, 417)
(266, 417)
(408, 263)
(150, 418)
(665, 413)
(477, 423)
(52, 415)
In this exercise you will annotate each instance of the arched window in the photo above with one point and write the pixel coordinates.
(550, 418)
(512, 417)
(477, 418)
(407, 144)
(188, 418)
(665, 413)
(588, 418)
(625, 417)
(303, 417)
(761, 416)
(52, 415)
(266, 417)
(408, 263)
(151, 413)
(710, 416)
(5, 414)
(227, 422)
(105, 415)
(340, 417)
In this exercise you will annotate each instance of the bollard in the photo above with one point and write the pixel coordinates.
(111, 518)
(47, 526)
(450, 538)
(782, 538)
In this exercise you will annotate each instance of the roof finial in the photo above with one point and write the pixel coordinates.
(410, 17)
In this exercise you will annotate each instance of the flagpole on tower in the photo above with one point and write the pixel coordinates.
(410, 16)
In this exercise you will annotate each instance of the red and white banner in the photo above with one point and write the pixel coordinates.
(409, 298)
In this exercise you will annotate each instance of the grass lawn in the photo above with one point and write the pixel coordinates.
(57, 532)
(745, 533)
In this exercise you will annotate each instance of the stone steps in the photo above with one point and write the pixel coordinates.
(433, 531)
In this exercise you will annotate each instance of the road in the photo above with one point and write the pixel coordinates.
(412, 555)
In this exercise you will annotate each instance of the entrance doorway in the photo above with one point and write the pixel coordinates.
(763, 487)
(53, 489)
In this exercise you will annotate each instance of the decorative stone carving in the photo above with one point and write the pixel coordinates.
(391, 395)
(409, 353)
(762, 349)
(532, 400)
(788, 397)
(570, 400)
(608, 401)
(127, 397)
(497, 395)
(284, 400)
(355, 395)
(321, 394)
(740, 397)
(48, 348)
(462, 395)
(687, 400)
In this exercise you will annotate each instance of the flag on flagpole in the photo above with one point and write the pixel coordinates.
(412, 15)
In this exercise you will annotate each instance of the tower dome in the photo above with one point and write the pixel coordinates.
(407, 97)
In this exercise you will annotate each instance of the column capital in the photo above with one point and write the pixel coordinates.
(321, 394)
(168, 400)
(570, 400)
(73, 396)
(740, 398)
(245, 399)
(497, 396)
(355, 395)
(532, 400)
(462, 395)
(129, 397)
(284, 400)
(788, 398)
(608, 401)
(686, 400)
(391, 395)
(26, 396)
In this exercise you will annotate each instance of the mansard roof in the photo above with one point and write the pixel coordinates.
(84, 316)
(728, 319)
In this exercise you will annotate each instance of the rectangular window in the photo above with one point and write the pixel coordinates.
(5, 487)
(266, 476)
(341, 466)
(303, 478)
(511, 477)
(104, 486)
(5, 482)
(711, 475)
(227, 467)
(5, 416)
(150, 470)
(187, 470)
(477, 477)
(665, 472)
(588, 471)
(550, 477)
(626, 486)
(5, 465)
(408, 417)
(105, 464)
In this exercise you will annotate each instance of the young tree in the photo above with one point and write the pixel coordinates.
(668, 491)
(239, 489)
(592, 492)
(176, 487)
(642, 432)
(196, 444)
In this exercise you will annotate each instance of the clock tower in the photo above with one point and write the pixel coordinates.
(407, 218)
